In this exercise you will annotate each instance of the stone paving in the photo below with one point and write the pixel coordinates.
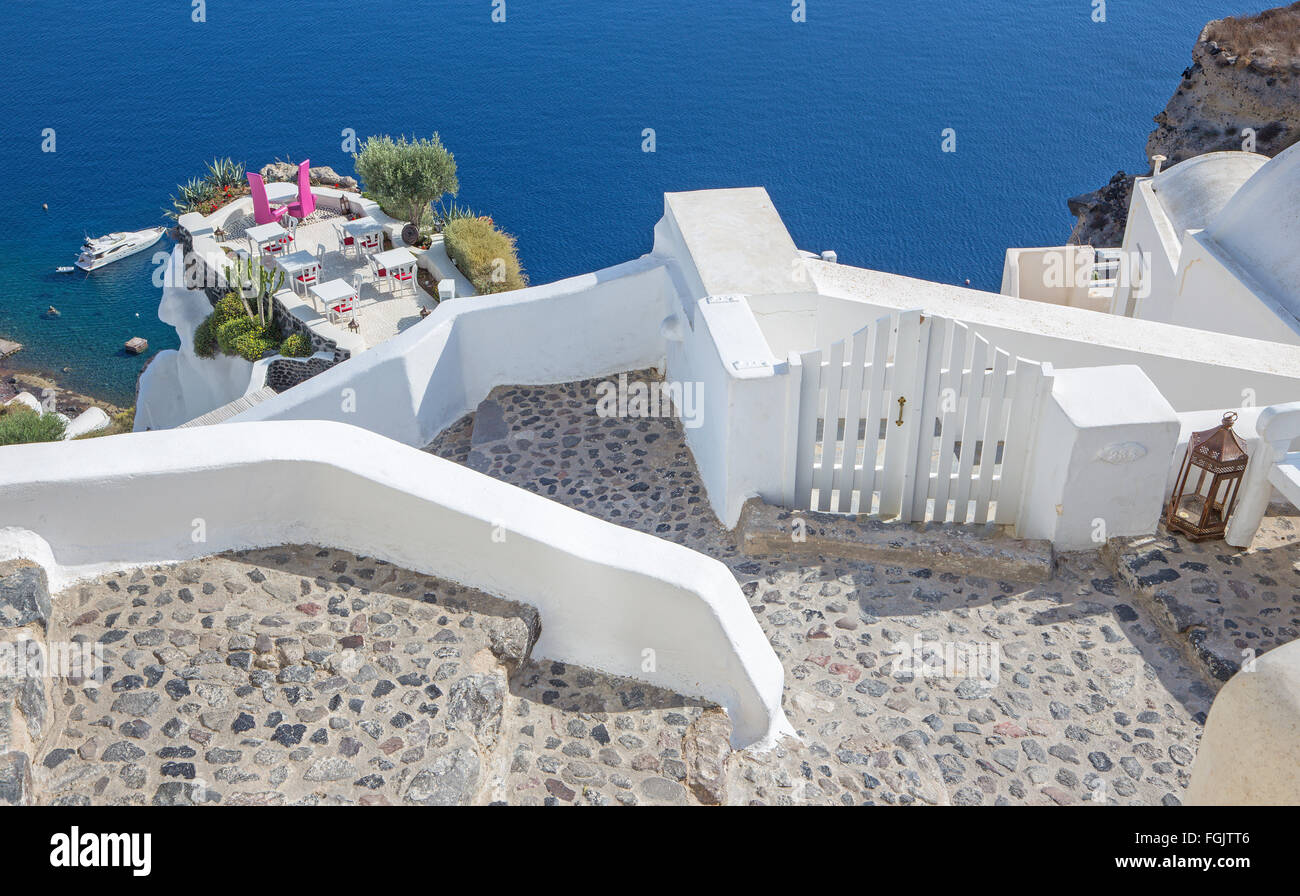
(305, 676)
(1094, 700)
(1226, 608)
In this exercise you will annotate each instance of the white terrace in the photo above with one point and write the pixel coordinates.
(178, 387)
(381, 312)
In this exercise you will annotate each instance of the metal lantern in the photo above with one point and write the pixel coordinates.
(1202, 512)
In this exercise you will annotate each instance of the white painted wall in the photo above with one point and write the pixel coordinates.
(1249, 754)
(1149, 236)
(416, 384)
(1101, 450)
(606, 594)
(178, 385)
(1056, 275)
(739, 447)
(1211, 292)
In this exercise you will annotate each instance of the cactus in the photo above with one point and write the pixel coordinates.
(251, 281)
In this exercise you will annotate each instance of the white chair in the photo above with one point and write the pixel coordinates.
(403, 276)
(343, 311)
(310, 274)
(291, 226)
(372, 242)
(378, 272)
(347, 242)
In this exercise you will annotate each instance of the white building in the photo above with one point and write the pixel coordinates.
(1210, 244)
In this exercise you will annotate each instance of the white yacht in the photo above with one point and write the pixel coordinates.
(102, 250)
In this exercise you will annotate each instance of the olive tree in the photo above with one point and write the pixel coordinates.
(405, 176)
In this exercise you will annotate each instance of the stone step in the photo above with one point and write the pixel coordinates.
(1149, 565)
(226, 411)
(981, 551)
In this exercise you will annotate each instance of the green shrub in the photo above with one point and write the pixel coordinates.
(231, 330)
(229, 307)
(245, 337)
(296, 346)
(251, 347)
(20, 425)
(205, 337)
(484, 254)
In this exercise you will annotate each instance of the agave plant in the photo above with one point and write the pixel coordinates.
(190, 197)
(225, 174)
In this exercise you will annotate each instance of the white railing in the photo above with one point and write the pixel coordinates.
(1106, 268)
(1273, 466)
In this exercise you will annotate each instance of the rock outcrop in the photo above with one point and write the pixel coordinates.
(1242, 91)
(321, 175)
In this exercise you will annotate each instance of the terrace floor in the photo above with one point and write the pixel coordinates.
(381, 314)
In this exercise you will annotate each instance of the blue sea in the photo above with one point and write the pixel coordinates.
(840, 117)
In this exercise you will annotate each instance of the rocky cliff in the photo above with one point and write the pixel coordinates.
(1244, 80)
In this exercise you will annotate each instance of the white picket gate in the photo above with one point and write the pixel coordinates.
(915, 418)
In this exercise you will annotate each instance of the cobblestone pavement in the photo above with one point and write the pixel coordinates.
(308, 676)
(1226, 607)
(1096, 699)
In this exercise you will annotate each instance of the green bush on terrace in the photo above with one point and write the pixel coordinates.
(230, 330)
(20, 425)
(205, 337)
(296, 346)
(484, 254)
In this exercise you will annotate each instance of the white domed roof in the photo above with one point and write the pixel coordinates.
(1260, 228)
(1193, 192)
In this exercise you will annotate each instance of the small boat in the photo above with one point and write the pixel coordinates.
(64, 269)
(102, 250)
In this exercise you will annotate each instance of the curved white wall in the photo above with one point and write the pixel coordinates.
(606, 594)
(419, 382)
(1250, 751)
(178, 386)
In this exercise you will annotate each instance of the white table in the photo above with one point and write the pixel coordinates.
(296, 263)
(363, 226)
(367, 233)
(337, 298)
(395, 262)
(336, 294)
(266, 237)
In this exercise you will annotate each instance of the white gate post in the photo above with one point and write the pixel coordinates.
(793, 394)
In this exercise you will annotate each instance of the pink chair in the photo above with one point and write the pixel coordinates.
(262, 211)
(306, 203)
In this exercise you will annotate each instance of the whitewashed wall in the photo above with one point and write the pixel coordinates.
(606, 594)
(178, 385)
(1101, 449)
(416, 384)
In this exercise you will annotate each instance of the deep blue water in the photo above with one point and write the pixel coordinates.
(840, 118)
